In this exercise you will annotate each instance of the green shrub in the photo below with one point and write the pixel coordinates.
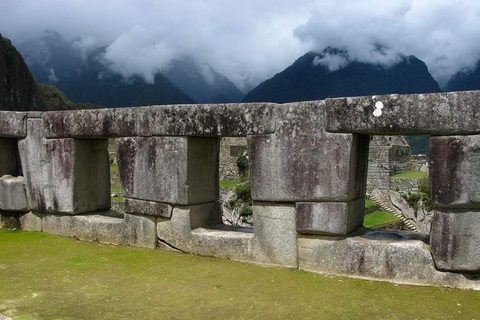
(242, 162)
(243, 192)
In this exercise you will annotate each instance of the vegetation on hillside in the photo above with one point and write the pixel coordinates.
(57, 100)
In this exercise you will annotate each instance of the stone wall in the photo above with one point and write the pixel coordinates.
(405, 185)
(229, 149)
(387, 155)
(308, 169)
(419, 162)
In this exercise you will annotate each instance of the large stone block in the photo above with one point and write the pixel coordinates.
(275, 235)
(12, 124)
(454, 163)
(176, 231)
(399, 261)
(131, 230)
(186, 231)
(12, 194)
(176, 170)
(321, 167)
(302, 162)
(148, 208)
(455, 240)
(329, 217)
(431, 114)
(8, 157)
(31, 221)
(68, 176)
(208, 120)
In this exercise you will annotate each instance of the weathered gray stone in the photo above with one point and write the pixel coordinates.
(406, 262)
(148, 208)
(12, 194)
(302, 162)
(69, 176)
(131, 230)
(338, 218)
(8, 157)
(31, 221)
(59, 225)
(434, 114)
(455, 239)
(275, 235)
(222, 244)
(188, 120)
(186, 218)
(12, 124)
(323, 167)
(176, 170)
(186, 232)
(455, 171)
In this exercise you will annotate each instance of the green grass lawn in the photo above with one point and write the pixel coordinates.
(117, 190)
(48, 277)
(369, 203)
(378, 218)
(228, 184)
(113, 167)
(411, 175)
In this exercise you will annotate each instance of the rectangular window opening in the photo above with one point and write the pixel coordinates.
(398, 186)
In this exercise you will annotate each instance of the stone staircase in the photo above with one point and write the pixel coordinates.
(386, 207)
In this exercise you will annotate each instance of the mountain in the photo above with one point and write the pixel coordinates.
(85, 79)
(18, 89)
(202, 82)
(465, 80)
(309, 78)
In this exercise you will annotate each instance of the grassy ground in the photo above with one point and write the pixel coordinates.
(116, 190)
(378, 218)
(113, 167)
(47, 277)
(369, 203)
(411, 175)
(228, 184)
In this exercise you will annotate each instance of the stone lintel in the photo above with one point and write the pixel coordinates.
(448, 113)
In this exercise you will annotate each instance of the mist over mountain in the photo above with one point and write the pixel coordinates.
(316, 76)
(201, 82)
(84, 74)
(465, 80)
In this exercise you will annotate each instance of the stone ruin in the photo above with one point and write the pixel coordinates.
(308, 169)
(388, 155)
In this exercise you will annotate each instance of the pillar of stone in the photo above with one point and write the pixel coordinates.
(304, 180)
(68, 176)
(455, 189)
(324, 173)
(161, 174)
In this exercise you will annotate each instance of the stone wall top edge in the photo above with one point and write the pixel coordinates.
(445, 113)
(195, 120)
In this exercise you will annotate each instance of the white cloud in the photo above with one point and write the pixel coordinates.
(251, 40)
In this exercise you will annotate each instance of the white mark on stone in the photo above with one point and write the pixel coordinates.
(378, 109)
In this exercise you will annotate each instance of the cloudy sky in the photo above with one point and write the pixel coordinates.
(251, 40)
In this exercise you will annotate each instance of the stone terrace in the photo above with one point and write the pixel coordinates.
(308, 166)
